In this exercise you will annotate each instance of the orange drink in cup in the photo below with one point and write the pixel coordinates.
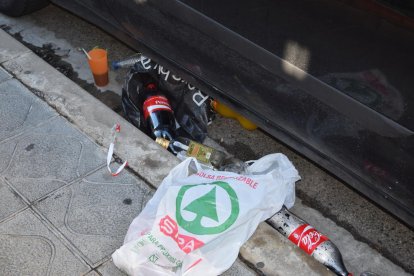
(98, 62)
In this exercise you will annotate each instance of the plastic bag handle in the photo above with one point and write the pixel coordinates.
(195, 162)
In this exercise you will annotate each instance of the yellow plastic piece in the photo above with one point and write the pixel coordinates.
(229, 113)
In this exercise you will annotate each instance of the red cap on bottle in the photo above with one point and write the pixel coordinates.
(151, 86)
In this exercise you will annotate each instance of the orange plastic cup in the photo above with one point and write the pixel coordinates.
(99, 66)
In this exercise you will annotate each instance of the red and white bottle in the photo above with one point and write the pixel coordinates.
(157, 112)
(309, 240)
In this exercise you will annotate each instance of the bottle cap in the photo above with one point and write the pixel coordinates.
(163, 142)
(115, 65)
(151, 86)
(213, 105)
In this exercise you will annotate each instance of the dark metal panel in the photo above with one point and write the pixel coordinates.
(371, 151)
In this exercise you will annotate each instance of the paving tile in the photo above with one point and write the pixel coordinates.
(109, 269)
(4, 75)
(92, 273)
(47, 158)
(20, 109)
(27, 247)
(94, 214)
(10, 202)
(9, 47)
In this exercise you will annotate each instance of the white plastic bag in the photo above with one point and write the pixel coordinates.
(197, 220)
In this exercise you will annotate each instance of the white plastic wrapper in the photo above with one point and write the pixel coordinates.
(198, 219)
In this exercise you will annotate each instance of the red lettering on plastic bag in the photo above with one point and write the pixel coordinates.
(186, 243)
(307, 238)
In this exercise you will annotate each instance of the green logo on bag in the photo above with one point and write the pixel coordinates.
(206, 207)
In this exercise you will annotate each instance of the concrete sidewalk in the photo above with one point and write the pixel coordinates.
(61, 213)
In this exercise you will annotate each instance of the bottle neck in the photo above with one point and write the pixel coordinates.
(174, 145)
(179, 145)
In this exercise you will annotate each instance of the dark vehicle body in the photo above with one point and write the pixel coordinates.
(332, 79)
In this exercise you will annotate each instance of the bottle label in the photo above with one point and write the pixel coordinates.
(307, 238)
(200, 152)
(155, 103)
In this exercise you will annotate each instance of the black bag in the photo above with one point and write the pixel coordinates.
(191, 107)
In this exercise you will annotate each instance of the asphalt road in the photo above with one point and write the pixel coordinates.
(55, 35)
